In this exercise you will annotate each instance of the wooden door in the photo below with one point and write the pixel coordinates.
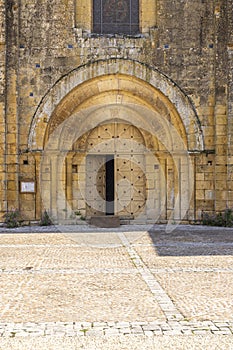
(95, 185)
(130, 185)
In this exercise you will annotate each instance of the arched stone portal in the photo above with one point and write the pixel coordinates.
(138, 98)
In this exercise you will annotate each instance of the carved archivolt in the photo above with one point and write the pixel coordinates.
(121, 89)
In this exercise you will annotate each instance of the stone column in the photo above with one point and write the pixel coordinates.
(69, 195)
(53, 185)
(38, 189)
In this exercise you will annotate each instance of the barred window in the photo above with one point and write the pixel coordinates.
(116, 17)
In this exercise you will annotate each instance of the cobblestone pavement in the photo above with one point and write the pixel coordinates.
(134, 281)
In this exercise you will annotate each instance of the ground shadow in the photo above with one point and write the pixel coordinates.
(187, 240)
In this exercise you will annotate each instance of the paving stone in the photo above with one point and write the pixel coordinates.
(112, 331)
(86, 324)
(99, 324)
(122, 324)
(125, 330)
(138, 323)
(94, 333)
(221, 324)
(111, 324)
(220, 332)
(158, 332)
(201, 331)
(77, 325)
(149, 333)
(187, 331)
(214, 328)
(64, 257)
(136, 330)
(149, 328)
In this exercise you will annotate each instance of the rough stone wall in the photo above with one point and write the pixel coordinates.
(182, 47)
(3, 49)
(220, 104)
(2, 105)
(230, 104)
(190, 45)
(11, 105)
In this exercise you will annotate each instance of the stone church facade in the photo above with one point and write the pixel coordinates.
(116, 108)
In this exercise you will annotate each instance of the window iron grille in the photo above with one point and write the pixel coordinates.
(116, 17)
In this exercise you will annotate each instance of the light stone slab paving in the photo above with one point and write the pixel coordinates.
(67, 297)
(62, 256)
(19, 239)
(122, 284)
(215, 293)
(154, 258)
(165, 303)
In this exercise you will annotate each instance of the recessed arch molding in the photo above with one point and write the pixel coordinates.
(127, 78)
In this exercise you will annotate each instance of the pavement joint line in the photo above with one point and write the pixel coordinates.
(113, 328)
(184, 244)
(116, 245)
(40, 245)
(44, 271)
(191, 269)
(164, 301)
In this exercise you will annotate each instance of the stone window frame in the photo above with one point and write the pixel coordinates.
(84, 16)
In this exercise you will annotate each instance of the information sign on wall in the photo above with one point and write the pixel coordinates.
(27, 186)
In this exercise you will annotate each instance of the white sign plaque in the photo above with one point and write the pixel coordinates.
(27, 186)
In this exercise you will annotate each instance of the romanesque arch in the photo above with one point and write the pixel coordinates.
(123, 92)
(121, 77)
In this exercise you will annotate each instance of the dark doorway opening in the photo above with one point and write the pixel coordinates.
(110, 185)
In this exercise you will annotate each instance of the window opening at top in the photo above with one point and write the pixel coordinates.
(116, 17)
